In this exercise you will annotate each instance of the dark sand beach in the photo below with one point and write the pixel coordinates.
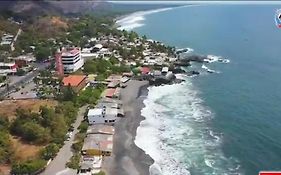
(127, 158)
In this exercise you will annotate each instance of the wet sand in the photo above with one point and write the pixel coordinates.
(127, 158)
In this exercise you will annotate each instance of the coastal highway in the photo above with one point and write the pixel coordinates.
(24, 79)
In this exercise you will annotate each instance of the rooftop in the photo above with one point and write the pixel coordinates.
(109, 92)
(100, 129)
(70, 51)
(73, 80)
(94, 112)
(98, 141)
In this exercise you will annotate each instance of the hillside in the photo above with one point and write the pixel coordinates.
(35, 8)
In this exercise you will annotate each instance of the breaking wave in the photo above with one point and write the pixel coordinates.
(181, 142)
(136, 19)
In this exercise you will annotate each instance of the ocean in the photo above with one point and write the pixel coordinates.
(227, 122)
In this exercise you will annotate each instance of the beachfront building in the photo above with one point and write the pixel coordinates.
(113, 84)
(104, 115)
(76, 82)
(100, 129)
(70, 59)
(112, 93)
(101, 116)
(90, 165)
(97, 145)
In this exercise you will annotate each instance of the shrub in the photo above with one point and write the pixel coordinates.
(28, 167)
(83, 127)
(49, 151)
(100, 173)
(74, 161)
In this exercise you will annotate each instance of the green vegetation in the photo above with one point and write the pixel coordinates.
(77, 146)
(100, 173)
(2, 79)
(74, 161)
(48, 127)
(104, 68)
(83, 127)
(5, 142)
(49, 151)
(28, 166)
(90, 95)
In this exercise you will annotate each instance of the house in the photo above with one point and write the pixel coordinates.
(104, 115)
(7, 39)
(97, 145)
(110, 92)
(90, 165)
(97, 48)
(113, 78)
(145, 70)
(113, 84)
(100, 129)
(127, 74)
(101, 116)
(76, 82)
(8, 68)
(124, 79)
(165, 70)
(23, 60)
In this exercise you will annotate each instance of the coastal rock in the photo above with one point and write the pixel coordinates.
(195, 58)
(191, 73)
(178, 70)
(182, 62)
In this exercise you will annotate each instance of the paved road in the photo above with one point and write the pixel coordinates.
(15, 39)
(57, 166)
(24, 79)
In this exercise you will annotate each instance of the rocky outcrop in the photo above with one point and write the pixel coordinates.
(195, 58)
(191, 73)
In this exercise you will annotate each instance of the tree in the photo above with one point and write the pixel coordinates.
(49, 151)
(68, 94)
(28, 167)
(35, 133)
(5, 147)
(42, 53)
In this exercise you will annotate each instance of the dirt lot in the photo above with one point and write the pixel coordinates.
(8, 107)
(23, 151)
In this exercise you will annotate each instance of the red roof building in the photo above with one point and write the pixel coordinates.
(145, 70)
(110, 92)
(77, 82)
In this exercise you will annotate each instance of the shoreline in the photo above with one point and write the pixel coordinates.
(127, 158)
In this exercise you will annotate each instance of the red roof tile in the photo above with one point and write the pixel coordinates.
(73, 80)
(109, 92)
(145, 70)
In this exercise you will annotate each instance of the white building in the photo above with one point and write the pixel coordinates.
(7, 39)
(102, 116)
(8, 68)
(71, 60)
(165, 70)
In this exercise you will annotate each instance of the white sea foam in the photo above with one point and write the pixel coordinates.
(214, 58)
(208, 69)
(188, 50)
(175, 133)
(136, 19)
